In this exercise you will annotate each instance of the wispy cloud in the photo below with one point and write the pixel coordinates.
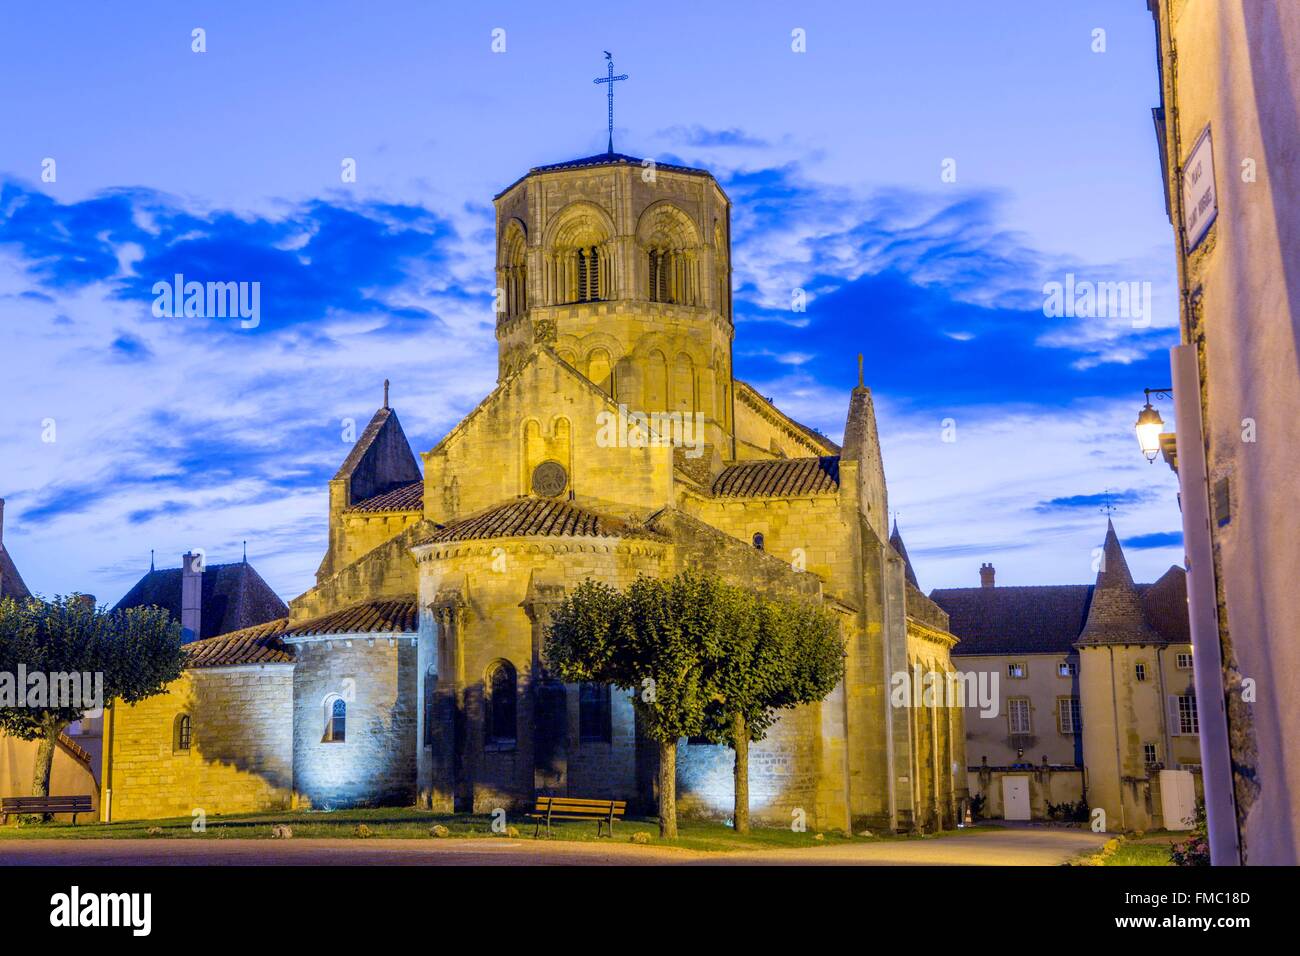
(181, 433)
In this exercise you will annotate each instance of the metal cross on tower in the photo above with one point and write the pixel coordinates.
(611, 79)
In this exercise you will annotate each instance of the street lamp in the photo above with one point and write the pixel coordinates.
(1150, 424)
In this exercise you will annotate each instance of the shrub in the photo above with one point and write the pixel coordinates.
(1195, 850)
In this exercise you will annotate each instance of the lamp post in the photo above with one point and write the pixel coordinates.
(1150, 425)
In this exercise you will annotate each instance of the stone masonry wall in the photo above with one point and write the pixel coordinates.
(241, 752)
(375, 763)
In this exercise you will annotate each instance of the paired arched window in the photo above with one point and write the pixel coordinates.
(578, 261)
(671, 243)
(499, 703)
(181, 733)
(672, 277)
(336, 720)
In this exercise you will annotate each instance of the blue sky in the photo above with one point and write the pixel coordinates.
(180, 433)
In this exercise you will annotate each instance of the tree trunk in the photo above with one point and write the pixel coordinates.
(668, 789)
(45, 760)
(740, 740)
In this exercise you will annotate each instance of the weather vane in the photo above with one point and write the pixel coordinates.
(1107, 509)
(611, 79)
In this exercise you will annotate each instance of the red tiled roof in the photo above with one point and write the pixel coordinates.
(778, 478)
(374, 617)
(528, 517)
(408, 497)
(259, 644)
(264, 643)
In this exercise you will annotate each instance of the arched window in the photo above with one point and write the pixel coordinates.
(673, 250)
(512, 272)
(336, 720)
(499, 704)
(181, 733)
(579, 258)
(758, 540)
(661, 275)
(588, 274)
(595, 718)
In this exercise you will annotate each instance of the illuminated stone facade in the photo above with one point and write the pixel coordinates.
(613, 300)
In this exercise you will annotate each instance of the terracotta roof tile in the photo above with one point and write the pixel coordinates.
(545, 517)
(259, 644)
(779, 478)
(265, 643)
(373, 617)
(408, 497)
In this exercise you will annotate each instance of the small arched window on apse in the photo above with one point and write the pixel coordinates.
(499, 704)
(758, 540)
(336, 720)
(181, 733)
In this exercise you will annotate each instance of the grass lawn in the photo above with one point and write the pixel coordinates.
(408, 823)
(1151, 850)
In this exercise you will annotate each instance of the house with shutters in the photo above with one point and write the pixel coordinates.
(1095, 695)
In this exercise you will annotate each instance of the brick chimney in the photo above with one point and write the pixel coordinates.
(986, 575)
(191, 596)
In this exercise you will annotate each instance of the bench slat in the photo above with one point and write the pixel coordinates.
(26, 803)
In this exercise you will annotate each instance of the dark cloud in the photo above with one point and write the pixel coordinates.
(324, 257)
(1132, 496)
(1158, 539)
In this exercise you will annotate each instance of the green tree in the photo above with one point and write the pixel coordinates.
(661, 639)
(776, 654)
(127, 655)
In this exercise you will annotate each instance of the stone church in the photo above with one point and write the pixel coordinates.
(617, 442)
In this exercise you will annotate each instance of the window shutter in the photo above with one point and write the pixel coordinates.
(1175, 723)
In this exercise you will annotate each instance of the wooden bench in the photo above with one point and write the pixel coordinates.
(73, 805)
(604, 812)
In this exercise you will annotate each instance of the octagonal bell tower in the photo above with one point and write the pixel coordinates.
(623, 267)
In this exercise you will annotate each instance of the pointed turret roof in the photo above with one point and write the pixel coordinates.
(896, 540)
(381, 460)
(1115, 615)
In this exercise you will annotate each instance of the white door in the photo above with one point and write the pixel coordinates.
(1015, 798)
(1178, 799)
